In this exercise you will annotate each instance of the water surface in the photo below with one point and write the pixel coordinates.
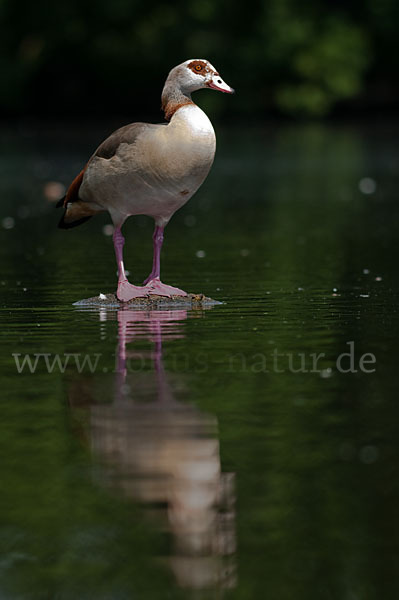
(234, 452)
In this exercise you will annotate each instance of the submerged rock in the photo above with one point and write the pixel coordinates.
(153, 301)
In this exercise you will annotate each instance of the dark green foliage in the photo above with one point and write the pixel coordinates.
(96, 56)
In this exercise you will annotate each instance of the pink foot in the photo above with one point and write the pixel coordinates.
(149, 278)
(156, 287)
(126, 291)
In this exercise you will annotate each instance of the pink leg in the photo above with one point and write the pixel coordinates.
(126, 291)
(153, 281)
(156, 261)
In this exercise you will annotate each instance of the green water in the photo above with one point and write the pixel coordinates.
(232, 452)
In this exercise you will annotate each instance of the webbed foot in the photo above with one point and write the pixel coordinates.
(156, 287)
(126, 291)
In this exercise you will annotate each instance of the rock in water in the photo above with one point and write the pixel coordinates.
(149, 302)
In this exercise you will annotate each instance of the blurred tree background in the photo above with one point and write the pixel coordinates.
(288, 57)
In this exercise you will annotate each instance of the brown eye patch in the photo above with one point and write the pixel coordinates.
(199, 66)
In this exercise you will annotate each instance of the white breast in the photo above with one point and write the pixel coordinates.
(195, 120)
(182, 150)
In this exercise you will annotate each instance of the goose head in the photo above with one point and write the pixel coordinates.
(195, 74)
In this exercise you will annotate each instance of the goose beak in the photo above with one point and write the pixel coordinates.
(217, 83)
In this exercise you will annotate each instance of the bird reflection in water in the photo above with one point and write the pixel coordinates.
(163, 452)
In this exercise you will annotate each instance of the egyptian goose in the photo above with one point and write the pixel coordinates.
(148, 169)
